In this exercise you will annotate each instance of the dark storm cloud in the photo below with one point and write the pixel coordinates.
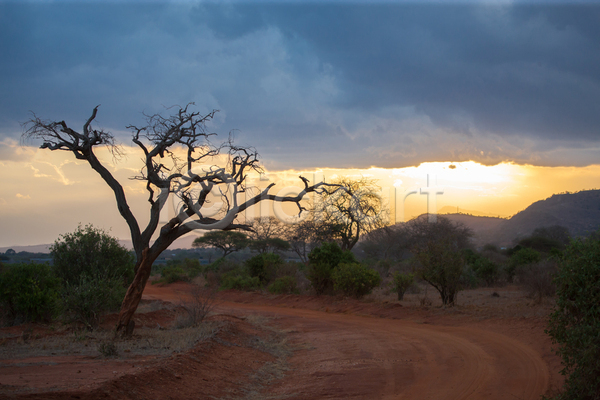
(328, 84)
(513, 70)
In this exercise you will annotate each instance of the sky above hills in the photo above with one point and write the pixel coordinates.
(312, 85)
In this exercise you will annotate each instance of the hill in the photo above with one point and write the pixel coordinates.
(579, 212)
(184, 242)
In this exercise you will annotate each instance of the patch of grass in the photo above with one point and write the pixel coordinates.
(200, 303)
(108, 349)
(145, 341)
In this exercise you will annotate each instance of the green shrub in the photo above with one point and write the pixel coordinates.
(401, 282)
(354, 279)
(29, 292)
(92, 252)
(239, 279)
(320, 278)
(468, 279)
(174, 273)
(575, 322)
(86, 300)
(180, 271)
(332, 254)
(264, 266)
(523, 256)
(284, 285)
(192, 267)
(95, 272)
(323, 261)
(486, 270)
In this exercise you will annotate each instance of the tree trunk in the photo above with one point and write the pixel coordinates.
(134, 292)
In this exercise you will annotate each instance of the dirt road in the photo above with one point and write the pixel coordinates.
(360, 357)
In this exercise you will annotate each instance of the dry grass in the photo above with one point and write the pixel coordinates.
(512, 301)
(197, 306)
(145, 341)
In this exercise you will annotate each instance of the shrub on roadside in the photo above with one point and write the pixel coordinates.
(320, 278)
(354, 279)
(401, 282)
(575, 322)
(284, 285)
(486, 271)
(180, 271)
(173, 273)
(93, 252)
(323, 261)
(86, 300)
(95, 271)
(239, 279)
(29, 292)
(264, 266)
(214, 272)
(523, 256)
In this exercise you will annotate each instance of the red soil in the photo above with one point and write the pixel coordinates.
(344, 349)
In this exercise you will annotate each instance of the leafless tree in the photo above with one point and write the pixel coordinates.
(166, 174)
(351, 212)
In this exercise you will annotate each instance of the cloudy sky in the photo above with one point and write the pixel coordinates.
(310, 85)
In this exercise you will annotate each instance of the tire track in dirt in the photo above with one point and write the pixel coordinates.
(369, 357)
(346, 356)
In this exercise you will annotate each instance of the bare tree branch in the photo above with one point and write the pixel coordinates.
(205, 171)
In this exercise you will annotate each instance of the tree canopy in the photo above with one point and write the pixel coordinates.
(438, 249)
(351, 212)
(226, 241)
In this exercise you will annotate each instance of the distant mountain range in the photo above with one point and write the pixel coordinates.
(184, 242)
(579, 212)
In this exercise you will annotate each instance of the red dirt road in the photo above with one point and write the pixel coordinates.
(344, 356)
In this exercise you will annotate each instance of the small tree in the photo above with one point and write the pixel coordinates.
(226, 241)
(267, 235)
(401, 282)
(575, 323)
(273, 245)
(437, 247)
(306, 235)
(387, 243)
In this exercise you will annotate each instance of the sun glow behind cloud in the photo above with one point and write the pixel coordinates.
(44, 194)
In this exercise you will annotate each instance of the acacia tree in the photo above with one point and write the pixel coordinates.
(267, 235)
(226, 241)
(438, 249)
(352, 212)
(304, 236)
(166, 174)
(387, 243)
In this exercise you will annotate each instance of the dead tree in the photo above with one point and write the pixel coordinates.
(166, 174)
